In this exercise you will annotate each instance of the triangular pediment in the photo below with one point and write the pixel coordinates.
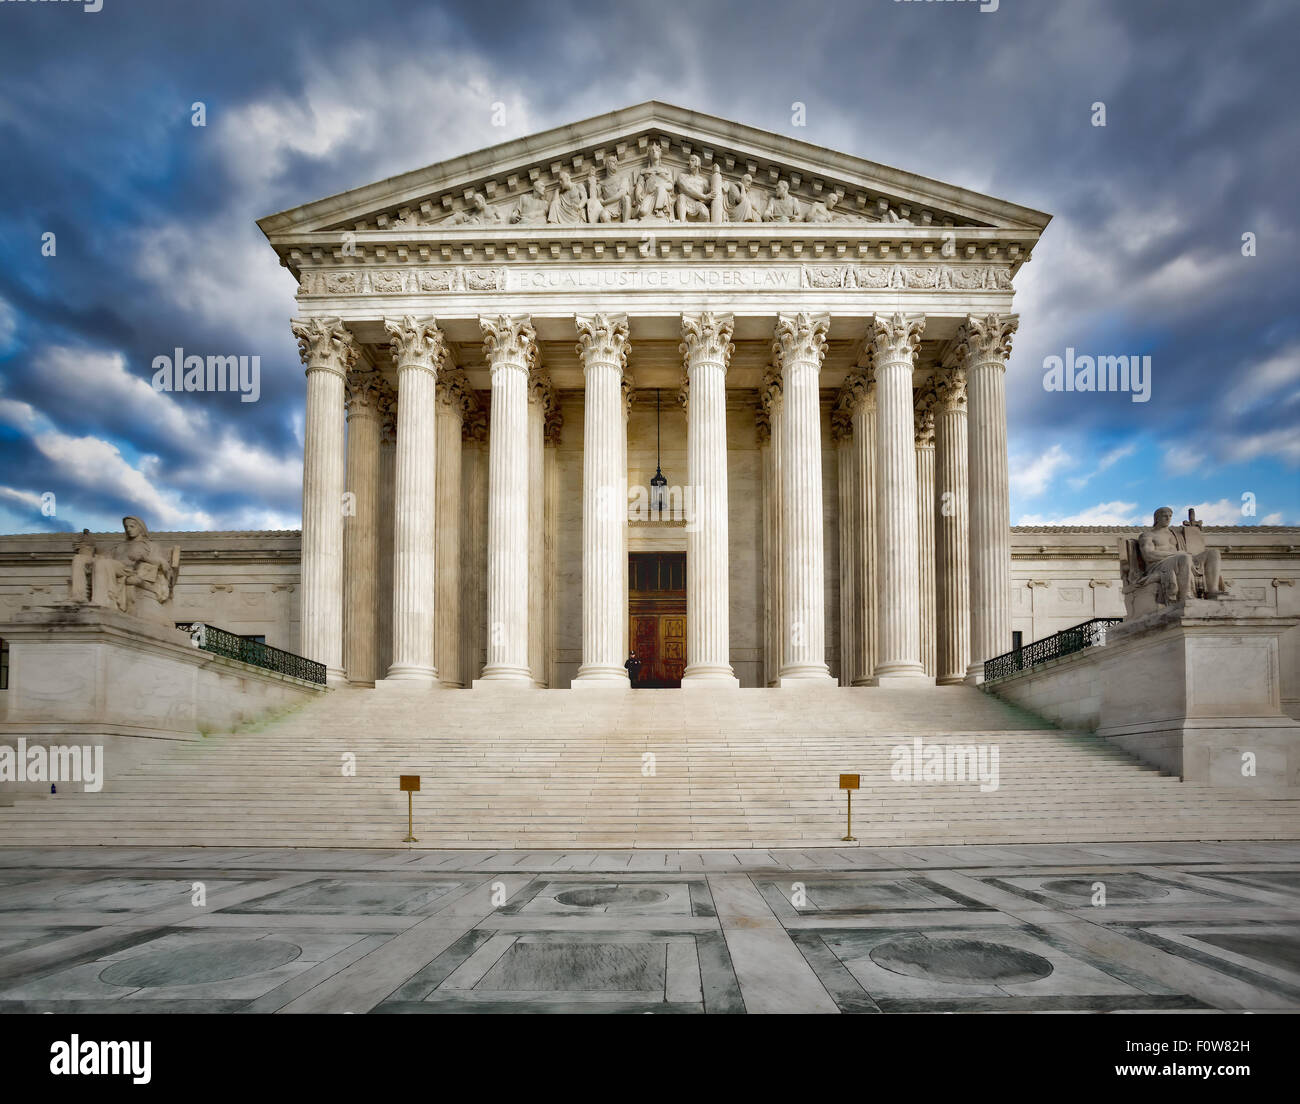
(637, 168)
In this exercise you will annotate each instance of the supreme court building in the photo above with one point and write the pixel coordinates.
(502, 350)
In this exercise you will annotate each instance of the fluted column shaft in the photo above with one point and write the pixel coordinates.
(897, 528)
(769, 434)
(800, 345)
(473, 545)
(850, 609)
(538, 398)
(603, 346)
(447, 529)
(924, 417)
(864, 447)
(419, 351)
(984, 344)
(706, 345)
(328, 351)
(361, 527)
(511, 348)
(384, 523)
(551, 518)
(952, 530)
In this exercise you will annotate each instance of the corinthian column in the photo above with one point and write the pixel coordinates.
(602, 345)
(511, 348)
(474, 539)
(769, 443)
(983, 345)
(847, 484)
(898, 613)
(361, 526)
(384, 571)
(540, 398)
(418, 350)
(799, 346)
(706, 345)
(453, 391)
(862, 388)
(923, 415)
(552, 430)
(328, 351)
(952, 529)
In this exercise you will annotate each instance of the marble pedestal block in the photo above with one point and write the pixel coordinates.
(86, 671)
(1194, 689)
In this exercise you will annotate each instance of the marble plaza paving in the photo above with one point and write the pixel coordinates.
(1186, 927)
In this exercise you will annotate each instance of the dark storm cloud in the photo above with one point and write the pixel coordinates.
(157, 247)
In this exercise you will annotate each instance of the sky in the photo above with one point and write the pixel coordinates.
(1173, 223)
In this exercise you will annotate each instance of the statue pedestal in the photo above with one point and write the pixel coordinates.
(1194, 689)
(85, 671)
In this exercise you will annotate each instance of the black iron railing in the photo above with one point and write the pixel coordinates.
(1066, 642)
(228, 644)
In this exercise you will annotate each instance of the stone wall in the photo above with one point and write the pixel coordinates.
(248, 582)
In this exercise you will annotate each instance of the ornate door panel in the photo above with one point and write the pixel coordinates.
(672, 643)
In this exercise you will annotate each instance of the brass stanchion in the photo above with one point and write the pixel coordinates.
(410, 783)
(849, 783)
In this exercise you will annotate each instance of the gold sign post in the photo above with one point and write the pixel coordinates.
(849, 783)
(410, 783)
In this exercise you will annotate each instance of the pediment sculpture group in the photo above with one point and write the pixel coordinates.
(135, 577)
(656, 194)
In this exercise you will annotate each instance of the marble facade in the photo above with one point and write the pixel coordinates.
(557, 283)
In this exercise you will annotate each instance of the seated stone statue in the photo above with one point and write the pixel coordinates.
(137, 577)
(1167, 565)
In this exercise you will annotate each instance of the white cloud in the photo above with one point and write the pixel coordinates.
(1103, 514)
(1108, 460)
(101, 380)
(1183, 459)
(98, 466)
(1033, 477)
(1276, 380)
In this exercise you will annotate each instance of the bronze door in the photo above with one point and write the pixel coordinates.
(657, 617)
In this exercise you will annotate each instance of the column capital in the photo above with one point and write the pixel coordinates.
(800, 338)
(362, 391)
(763, 424)
(454, 392)
(923, 416)
(859, 391)
(706, 338)
(509, 341)
(950, 389)
(602, 339)
(387, 404)
(325, 345)
(981, 340)
(553, 426)
(842, 413)
(629, 393)
(894, 337)
(474, 425)
(417, 343)
(539, 387)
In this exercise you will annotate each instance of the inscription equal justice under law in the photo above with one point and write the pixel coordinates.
(649, 279)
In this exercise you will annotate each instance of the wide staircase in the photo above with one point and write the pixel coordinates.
(644, 769)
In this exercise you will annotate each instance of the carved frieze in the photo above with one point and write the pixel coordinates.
(475, 280)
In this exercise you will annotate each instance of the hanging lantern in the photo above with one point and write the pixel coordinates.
(659, 484)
